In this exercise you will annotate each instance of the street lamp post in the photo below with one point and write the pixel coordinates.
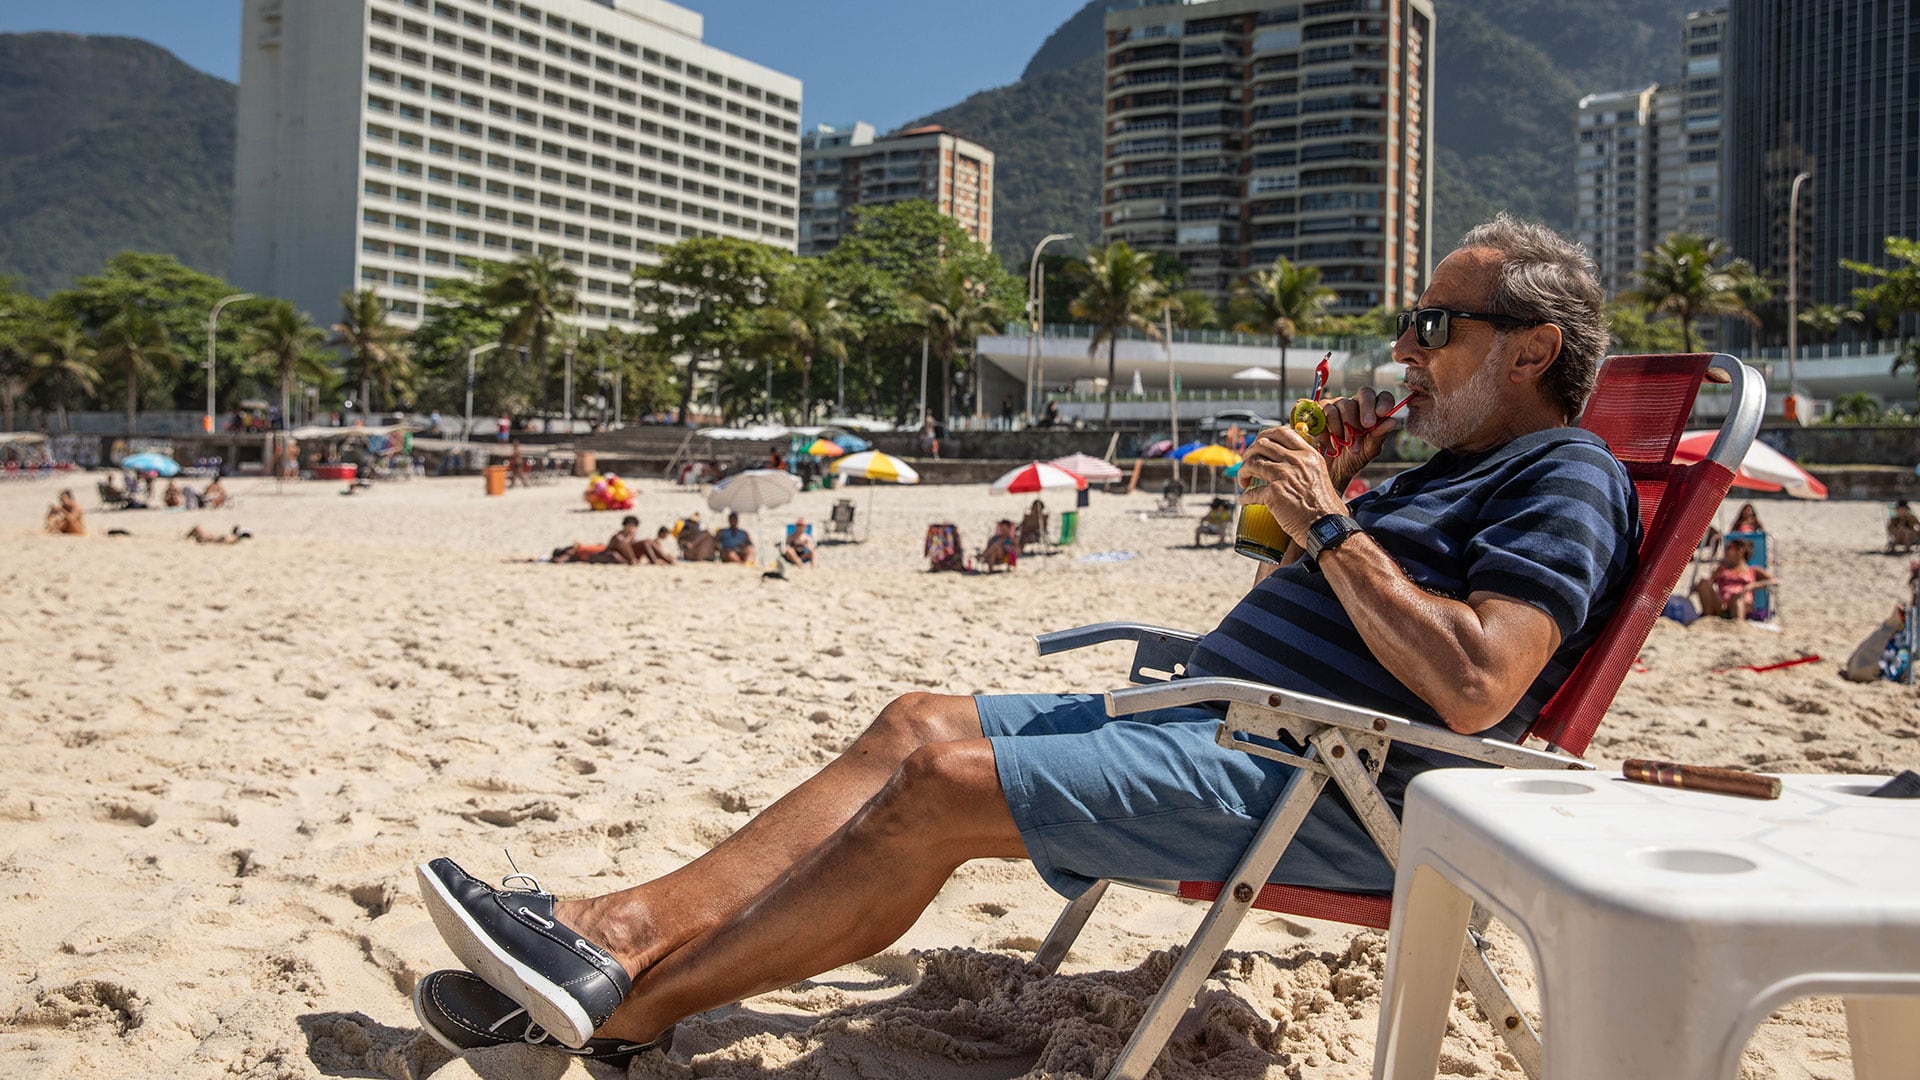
(1036, 317)
(473, 354)
(1793, 288)
(213, 319)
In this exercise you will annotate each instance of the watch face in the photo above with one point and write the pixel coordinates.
(1325, 529)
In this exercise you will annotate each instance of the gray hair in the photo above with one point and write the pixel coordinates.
(1546, 278)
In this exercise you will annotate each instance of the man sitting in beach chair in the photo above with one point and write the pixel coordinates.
(1218, 524)
(1033, 527)
(1903, 528)
(798, 547)
(1002, 550)
(1461, 595)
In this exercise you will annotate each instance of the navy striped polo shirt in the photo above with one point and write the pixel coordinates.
(1549, 519)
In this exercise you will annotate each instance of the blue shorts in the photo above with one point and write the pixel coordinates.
(1153, 796)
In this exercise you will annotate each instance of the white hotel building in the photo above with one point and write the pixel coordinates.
(387, 143)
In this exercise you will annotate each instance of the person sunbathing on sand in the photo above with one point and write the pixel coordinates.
(215, 496)
(203, 536)
(65, 518)
(1461, 595)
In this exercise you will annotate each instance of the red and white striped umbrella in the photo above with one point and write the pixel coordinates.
(1035, 477)
(1763, 469)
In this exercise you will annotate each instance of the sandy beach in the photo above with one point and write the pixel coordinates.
(222, 763)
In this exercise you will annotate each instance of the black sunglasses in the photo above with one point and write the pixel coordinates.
(1432, 326)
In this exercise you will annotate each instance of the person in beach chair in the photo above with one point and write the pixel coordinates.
(1218, 523)
(797, 548)
(1002, 550)
(1033, 527)
(1735, 589)
(1903, 528)
(943, 548)
(1459, 596)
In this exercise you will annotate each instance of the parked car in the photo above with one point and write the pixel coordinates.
(1246, 419)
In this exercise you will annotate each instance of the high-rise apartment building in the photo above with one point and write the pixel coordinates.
(843, 168)
(1831, 90)
(1240, 131)
(1648, 159)
(389, 143)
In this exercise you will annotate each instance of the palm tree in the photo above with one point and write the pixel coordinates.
(1284, 300)
(375, 348)
(956, 310)
(535, 290)
(1683, 276)
(806, 321)
(1193, 310)
(134, 345)
(1121, 292)
(65, 358)
(283, 344)
(1825, 321)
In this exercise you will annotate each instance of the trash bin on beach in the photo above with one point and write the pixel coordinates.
(496, 479)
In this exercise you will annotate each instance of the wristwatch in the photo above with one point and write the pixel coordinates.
(1327, 533)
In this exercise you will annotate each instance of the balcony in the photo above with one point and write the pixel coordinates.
(1148, 78)
(1145, 54)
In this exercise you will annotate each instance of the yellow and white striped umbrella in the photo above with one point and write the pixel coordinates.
(875, 465)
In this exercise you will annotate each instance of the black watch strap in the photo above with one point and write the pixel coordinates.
(1327, 533)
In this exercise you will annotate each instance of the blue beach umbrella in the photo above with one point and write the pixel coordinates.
(1184, 449)
(852, 444)
(160, 464)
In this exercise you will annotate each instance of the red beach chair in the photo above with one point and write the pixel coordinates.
(1640, 408)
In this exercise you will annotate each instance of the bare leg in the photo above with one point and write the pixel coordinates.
(1708, 598)
(847, 899)
(642, 924)
(1741, 606)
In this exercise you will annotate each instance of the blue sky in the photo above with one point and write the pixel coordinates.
(884, 61)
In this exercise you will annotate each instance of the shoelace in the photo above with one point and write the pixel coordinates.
(532, 884)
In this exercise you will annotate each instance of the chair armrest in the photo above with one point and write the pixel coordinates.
(1158, 653)
(1269, 711)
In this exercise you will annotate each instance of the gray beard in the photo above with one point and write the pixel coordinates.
(1449, 421)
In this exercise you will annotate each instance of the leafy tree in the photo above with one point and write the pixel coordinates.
(376, 352)
(534, 291)
(956, 308)
(285, 347)
(1825, 321)
(21, 315)
(136, 347)
(459, 319)
(701, 298)
(806, 321)
(1692, 277)
(1894, 297)
(178, 299)
(1120, 293)
(62, 360)
(1635, 334)
(889, 249)
(1284, 300)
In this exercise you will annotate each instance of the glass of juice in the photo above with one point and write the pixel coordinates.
(1257, 535)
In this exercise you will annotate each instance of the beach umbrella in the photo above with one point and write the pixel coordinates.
(1213, 456)
(852, 444)
(1158, 448)
(754, 490)
(1088, 467)
(1255, 374)
(1035, 477)
(825, 448)
(876, 465)
(159, 464)
(1179, 453)
(1763, 469)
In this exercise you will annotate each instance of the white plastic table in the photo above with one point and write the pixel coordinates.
(1665, 925)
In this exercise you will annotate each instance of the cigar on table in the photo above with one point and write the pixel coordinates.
(1702, 778)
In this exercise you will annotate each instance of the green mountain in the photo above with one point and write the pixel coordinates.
(1508, 75)
(106, 144)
